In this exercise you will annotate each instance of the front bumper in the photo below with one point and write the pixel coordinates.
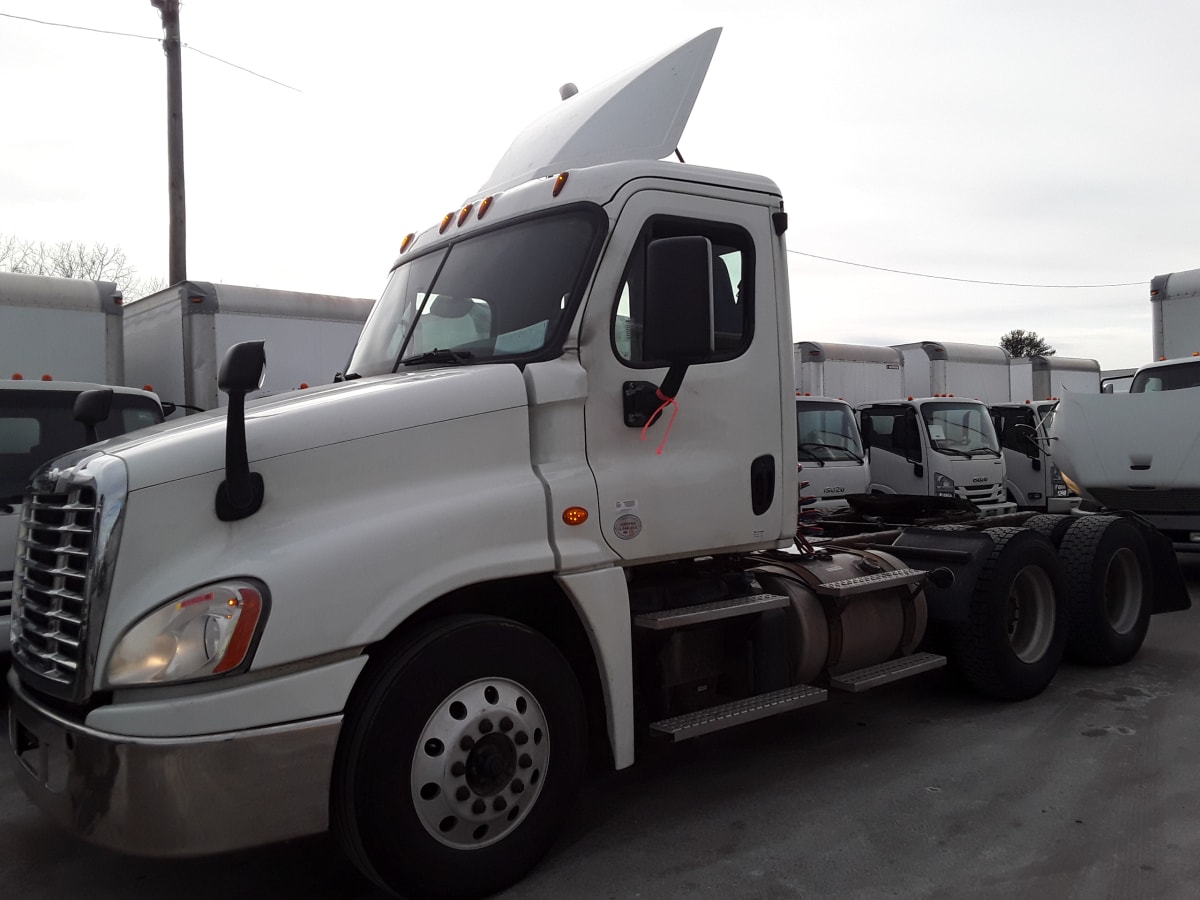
(174, 796)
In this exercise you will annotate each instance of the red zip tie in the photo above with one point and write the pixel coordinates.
(666, 401)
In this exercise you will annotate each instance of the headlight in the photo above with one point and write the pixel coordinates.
(943, 485)
(208, 631)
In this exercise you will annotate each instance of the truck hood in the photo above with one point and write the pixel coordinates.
(639, 114)
(318, 417)
(1138, 442)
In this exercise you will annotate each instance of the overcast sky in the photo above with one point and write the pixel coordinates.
(1047, 142)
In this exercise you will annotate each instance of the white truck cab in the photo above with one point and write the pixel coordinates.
(829, 452)
(938, 446)
(37, 423)
(1034, 481)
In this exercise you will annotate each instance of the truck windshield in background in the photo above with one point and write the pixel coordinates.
(503, 294)
(826, 432)
(1167, 378)
(36, 426)
(960, 429)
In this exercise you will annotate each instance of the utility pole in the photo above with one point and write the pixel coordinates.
(178, 215)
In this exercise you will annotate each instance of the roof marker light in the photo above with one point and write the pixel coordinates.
(17, 376)
(47, 378)
(446, 220)
(463, 213)
(407, 242)
(484, 205)
(560, 182)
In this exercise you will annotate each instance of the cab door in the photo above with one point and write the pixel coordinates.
(708, 475)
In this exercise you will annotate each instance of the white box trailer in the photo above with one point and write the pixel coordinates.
(1054, 376)
(1175, 300)
(175, 338)
(856, 373)
(66, 328)
(937, 368)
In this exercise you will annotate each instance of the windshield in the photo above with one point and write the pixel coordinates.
(962, 429)
(36, 426)
(826, 432)
(1166, 378)
(503, 294)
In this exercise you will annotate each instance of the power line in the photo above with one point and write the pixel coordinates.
(846, 262)
(145, 37)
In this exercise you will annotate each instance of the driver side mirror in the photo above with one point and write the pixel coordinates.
(91, 408)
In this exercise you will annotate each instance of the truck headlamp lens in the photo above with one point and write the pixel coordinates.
(943, 485)
(208, 631)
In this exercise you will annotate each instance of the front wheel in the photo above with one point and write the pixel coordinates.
(459, 760)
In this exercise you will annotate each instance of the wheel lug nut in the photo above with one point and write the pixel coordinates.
(500, 804)
(525, 761)
(517, 786)
(462, 794)
(485, 726)
(467, 742)
(479, 807)
(521, 738)
(458, 769)
(506, 725)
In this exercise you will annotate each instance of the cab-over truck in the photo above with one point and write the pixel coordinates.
(554, 497)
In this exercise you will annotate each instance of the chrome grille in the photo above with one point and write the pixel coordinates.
(977, 493)
(5, 595)
(50, 583)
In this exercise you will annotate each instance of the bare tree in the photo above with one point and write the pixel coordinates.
(1020, 342)
(75, 259)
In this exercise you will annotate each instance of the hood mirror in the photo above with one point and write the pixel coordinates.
(242, 370)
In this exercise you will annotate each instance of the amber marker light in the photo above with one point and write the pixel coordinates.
(575, 515)
(407, 242)
(559, 183)
(463, 213)
(484, 205)
(446, 220)
(47, 378)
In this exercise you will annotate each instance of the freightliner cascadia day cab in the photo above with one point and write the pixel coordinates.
(550, 512)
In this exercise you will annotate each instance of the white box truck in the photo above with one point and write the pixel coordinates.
(829, 446)
(547, 515)
(58, 338)
(1022, 426)
(176, 337)
(1175, 314)
(66, 329)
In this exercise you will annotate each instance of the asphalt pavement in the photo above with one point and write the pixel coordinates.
(918, 789)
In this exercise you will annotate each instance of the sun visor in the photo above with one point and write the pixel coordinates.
(639, 114)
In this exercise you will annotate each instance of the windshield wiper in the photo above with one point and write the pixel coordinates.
(438, 356)
(955, 451)
(837, 448)
(804, 449)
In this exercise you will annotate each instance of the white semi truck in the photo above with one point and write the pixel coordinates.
(550, 512)
(1138, 450)
(175, 338)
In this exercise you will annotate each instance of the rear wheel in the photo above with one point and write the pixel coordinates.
(1016, 630)
(1050, 526)
(1109, 584)
(459, 760)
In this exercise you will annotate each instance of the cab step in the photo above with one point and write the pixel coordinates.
(865, 583)
(717, 718)
(708, 612)
(873, 676)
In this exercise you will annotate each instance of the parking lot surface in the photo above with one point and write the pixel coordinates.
(917, 789)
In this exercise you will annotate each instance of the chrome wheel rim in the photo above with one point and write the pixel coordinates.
(480, 763)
